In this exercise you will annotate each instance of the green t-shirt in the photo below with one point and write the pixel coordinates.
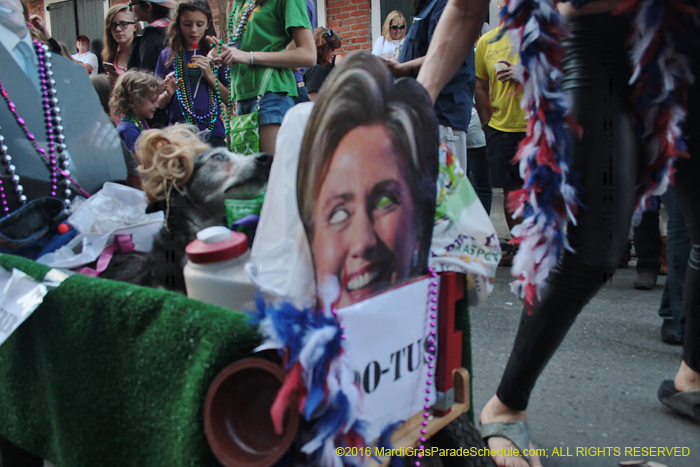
(268, 30)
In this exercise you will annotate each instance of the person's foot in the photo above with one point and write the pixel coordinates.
(686, 379)
(645, 281)
(668, 333)
(497, 411)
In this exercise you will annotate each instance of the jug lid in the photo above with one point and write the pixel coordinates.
(215, 244)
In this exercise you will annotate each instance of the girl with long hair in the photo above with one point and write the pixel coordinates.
(260, 31)
(194, 87)
(120, 28)
(326, 44)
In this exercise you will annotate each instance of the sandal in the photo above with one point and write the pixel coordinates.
(515, 432)
(687, 402)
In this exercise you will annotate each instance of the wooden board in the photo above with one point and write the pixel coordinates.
(408, 434)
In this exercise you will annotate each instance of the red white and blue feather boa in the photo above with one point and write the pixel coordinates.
(664, 35)
(664, 42)
(319, 373)
(547, 200)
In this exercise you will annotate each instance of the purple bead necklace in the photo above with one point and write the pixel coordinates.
(57, 157)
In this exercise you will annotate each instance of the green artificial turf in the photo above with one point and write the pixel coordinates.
(106, 373)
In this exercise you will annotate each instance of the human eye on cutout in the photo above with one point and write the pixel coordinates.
(385, 197)
(338, 216)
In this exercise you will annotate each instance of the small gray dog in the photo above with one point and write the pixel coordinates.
(189, 181)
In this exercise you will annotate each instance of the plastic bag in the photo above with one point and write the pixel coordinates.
(114, 210)
(280, 261)
(464, 239)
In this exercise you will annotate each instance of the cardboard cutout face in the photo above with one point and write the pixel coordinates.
(93, 145)
(366, 181)
(12, 16)
(364, 225)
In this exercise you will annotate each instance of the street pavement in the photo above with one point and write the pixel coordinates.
(599, 389)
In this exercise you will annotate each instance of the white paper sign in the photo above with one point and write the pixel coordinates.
(20, 295)
(385, 343)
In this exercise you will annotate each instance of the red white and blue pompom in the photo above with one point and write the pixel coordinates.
(320, 374)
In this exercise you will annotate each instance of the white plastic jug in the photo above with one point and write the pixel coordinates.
(215, 270)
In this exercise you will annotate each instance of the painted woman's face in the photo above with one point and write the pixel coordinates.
(364, 230)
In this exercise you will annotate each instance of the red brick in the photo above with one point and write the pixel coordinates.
(358, 27)
(342, 16)
(341, 30)
(333, 24)
(333, 11)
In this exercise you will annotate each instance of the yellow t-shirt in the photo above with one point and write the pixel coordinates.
(505, 101)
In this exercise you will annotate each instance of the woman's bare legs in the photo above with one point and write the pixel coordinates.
(268, 138)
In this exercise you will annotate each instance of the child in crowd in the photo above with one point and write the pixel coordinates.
(135, 96)
(194, 89)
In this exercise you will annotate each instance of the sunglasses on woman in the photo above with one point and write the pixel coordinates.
(121, 24)
(396, 28)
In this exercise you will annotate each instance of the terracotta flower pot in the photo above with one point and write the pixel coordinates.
(237, 418)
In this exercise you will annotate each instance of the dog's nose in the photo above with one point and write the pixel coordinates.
(264, 159)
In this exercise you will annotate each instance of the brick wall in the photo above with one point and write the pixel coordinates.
(36, 7)
(351, 20)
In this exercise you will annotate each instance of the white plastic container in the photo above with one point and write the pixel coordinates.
(215, 271)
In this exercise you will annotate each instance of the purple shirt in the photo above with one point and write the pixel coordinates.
(129, 133)
(201, 100)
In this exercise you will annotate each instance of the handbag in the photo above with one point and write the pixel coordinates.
(31, 230)
(244, 131)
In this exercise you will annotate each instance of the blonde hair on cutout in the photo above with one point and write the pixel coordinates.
(167, 159)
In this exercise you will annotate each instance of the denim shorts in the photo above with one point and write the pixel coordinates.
(273, 106)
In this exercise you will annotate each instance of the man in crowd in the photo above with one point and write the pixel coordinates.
(84, 56)
(498, 106)
(453, 105)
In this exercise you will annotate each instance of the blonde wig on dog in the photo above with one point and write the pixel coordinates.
(167, 159)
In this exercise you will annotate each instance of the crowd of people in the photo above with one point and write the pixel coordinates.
(164, 63)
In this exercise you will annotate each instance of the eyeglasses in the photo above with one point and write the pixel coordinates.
(396, 28)
(121, 25)
(329, 32)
